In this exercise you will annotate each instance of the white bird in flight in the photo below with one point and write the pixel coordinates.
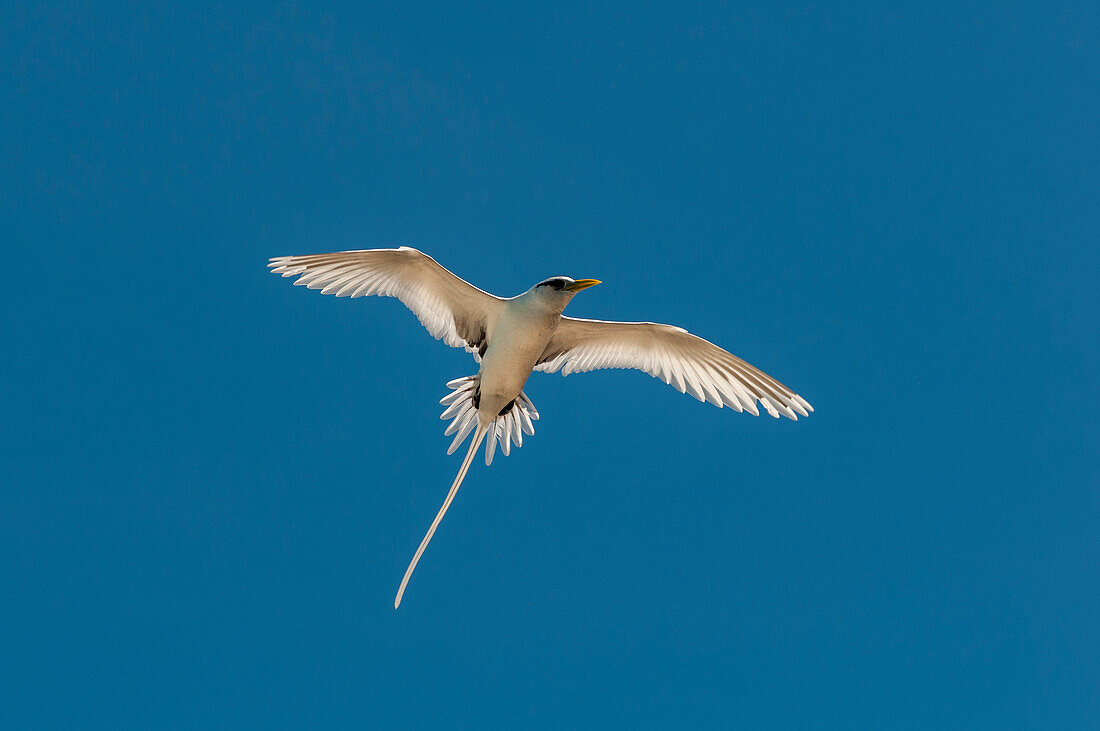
(512, 337)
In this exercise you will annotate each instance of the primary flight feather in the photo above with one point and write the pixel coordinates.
(512, 337)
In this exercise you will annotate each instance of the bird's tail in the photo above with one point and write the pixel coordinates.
(479, 434)
(507, 428)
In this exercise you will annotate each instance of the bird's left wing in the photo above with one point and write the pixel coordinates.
(680, 359)
(451, 309)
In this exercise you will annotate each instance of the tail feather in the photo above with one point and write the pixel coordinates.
(478, 436)
(467, 427)
(491, 447)
(507, 430)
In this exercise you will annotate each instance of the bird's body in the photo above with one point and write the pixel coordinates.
(511, 338)
(516, 340)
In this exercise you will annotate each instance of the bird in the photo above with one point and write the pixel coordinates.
(511, 337)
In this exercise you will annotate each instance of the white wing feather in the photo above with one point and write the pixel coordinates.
(451, 309)
(684, 361)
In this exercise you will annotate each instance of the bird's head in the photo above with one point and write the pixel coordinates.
(557, 291)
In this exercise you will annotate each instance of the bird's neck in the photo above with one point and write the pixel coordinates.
(539, 302)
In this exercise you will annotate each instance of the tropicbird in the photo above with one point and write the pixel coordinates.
(512, 337)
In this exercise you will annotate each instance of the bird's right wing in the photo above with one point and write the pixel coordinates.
(682, 360)
(451, 309)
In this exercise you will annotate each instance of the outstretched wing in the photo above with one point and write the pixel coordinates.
(680, 359)
(452, 310)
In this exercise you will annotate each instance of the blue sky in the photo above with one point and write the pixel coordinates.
(211, 481)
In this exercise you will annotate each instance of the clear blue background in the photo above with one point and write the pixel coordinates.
(211, 481)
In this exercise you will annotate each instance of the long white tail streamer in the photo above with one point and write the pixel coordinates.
(478, 436)
(505, 430)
